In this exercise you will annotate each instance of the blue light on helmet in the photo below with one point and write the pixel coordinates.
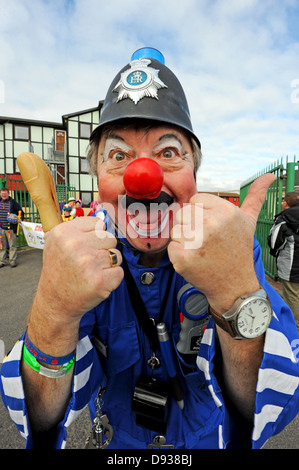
(148, 53)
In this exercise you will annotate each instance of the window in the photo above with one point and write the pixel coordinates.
(84, 167)
(86, 198)
(59, 140)
(21, 132)
(85, 130)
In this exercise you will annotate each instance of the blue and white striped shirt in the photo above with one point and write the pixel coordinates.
(205, 421)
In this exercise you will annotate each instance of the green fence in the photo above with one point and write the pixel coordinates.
(18, 191)
(287, 179)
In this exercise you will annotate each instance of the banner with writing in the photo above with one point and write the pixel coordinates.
(34, 234)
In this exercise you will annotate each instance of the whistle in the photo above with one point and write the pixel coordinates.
(193, 305)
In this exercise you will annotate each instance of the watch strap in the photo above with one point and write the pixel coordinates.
(220, 321)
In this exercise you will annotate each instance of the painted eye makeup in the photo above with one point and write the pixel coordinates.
(116, 149)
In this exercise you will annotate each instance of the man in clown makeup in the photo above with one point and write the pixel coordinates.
(167, 317)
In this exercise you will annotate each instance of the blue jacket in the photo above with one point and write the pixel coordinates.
(205, 422)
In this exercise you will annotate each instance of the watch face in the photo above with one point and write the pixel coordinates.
(254, 318)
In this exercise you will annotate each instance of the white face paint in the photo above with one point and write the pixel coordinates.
(168, 148)
(168, 141)
(148, 230)
(113, 144)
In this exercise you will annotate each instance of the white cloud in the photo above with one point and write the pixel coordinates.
(236, 61)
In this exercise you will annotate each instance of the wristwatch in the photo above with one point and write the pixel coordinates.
(248, 318)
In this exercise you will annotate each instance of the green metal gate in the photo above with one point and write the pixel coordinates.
(287, 179)
(19, 192)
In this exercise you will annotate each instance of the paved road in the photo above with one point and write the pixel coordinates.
(17, 290)
(18, 286)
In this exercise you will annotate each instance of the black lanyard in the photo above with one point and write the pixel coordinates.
(142, 316)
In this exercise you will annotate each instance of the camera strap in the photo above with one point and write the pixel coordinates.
(150, 397)
(146, 323)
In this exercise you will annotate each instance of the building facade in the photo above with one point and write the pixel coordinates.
(61, 145)
(230, 196)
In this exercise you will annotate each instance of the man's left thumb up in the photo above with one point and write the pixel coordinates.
(255, 198)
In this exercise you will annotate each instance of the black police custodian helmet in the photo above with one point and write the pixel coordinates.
(146, 89)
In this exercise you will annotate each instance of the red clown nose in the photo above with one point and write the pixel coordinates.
(143, 178)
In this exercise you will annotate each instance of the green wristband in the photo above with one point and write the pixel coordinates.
(50, 373)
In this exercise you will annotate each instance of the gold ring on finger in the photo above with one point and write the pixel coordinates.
(113, 258)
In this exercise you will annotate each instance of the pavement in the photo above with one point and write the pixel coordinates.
(18, 286)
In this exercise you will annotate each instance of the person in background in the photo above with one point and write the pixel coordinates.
(284, 245)
(94, 206)
(72, 203)
(67, 213)
(79, 210)
(9, 211)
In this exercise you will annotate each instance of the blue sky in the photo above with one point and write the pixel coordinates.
(238, 61)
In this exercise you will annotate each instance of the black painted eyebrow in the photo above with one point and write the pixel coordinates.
(111, 135)
(170, 136)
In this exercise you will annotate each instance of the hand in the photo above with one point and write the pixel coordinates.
(77, 273)
(221, 262)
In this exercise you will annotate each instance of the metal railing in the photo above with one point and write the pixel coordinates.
(18, 191)
(287, 179)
